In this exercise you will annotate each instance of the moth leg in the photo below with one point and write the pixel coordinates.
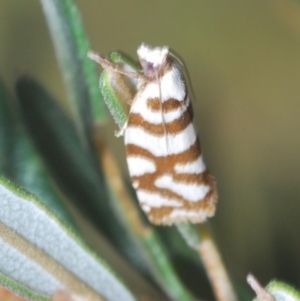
(122, 130)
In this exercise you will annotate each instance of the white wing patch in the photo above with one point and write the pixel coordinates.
(182, 214)
(153, 199)
(189, 191)
(139, 166)
(196, 167)
(156, 145)
(173, 86)
(136, 184)
(156, 55)
(146, 208)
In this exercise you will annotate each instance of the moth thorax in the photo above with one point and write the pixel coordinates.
(152, 59)
(148, 68)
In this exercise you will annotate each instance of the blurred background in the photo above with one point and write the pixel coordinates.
(243, 58)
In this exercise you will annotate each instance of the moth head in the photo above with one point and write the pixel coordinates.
(152, 58)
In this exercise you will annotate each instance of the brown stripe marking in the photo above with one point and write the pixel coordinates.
(155, 104)
(189, 155)
(189, 177)
(174, 127)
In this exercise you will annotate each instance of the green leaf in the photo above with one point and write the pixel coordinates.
(114, 106)
(6, 132)
(30, 173)
(21, 290)
(79, 73)
(282, 291)
(162, 267)
(41, 253)
(21, 163)
(112, 86)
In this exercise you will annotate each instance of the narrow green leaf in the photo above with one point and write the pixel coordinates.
(112, 86)
(21, 290)
(163, 269)
(6, 132)
(31, 174)
(39, 252)
(79, 73)
(113, 105)
(20, 162)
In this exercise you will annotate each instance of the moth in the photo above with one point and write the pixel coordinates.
(164, 156)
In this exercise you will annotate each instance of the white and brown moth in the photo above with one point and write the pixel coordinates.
(163, 151)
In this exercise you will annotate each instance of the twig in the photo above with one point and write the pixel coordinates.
(204, 244)
(215, 267)
(260, 291)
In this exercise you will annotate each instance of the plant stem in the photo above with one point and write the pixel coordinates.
(215, 267)
(260, 291)
(204, 244)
